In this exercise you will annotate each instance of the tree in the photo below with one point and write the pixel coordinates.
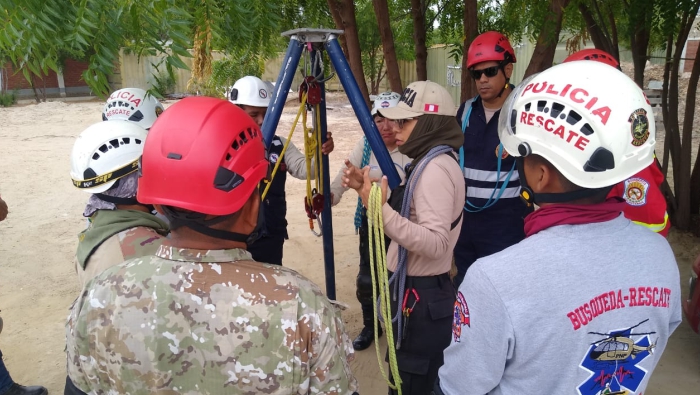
(373, 58)
(343, 12)
(418, 9)
(39, 33)
(468, 88)
(677, 22)
(601, 25)
(548, 38)
(381, 10)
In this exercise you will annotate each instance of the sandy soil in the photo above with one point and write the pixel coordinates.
(38, 239)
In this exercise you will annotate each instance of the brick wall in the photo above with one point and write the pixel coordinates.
(72, 73)
(691, 52)
(16, 79)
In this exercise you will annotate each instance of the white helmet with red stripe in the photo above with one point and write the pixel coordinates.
(593, 123)
(133, 105)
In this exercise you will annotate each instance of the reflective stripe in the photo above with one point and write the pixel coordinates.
(489, 176)
(655, 227)
(486, 193)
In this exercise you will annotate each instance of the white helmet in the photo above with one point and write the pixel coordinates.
(104, 153)
(589, 120)
(385, 100)
(132, 104)
(250, 91)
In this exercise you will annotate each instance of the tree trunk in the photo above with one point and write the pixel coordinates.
(695, 187)
(547, 41)
(343, 12)
(664, 105)
(685, 190)
(681, 149)
(598, 36)
(419, 37)
(640, 19)
(471, 30)
(33, 86)
(614, 35)
(381, 10)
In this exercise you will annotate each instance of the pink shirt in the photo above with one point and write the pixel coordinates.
(438, 199)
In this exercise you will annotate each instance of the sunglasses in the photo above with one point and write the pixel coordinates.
(400, 122)
(489, 72)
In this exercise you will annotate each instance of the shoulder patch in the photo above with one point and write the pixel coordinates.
(636, 191)
(461, 317)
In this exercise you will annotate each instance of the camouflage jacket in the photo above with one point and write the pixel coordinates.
(131, 243)
(115, 236)
(195, 321)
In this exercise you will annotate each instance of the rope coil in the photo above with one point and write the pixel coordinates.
(380, 283)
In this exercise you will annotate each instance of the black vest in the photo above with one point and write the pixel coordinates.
(275, 204)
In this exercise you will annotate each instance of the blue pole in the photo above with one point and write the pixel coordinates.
(279, 96)
(326, 217)
(361, 111)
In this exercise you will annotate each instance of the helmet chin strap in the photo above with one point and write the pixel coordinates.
(502, 66)
(530, 197)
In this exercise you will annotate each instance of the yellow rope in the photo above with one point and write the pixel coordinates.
(302, 108)
(380, 279)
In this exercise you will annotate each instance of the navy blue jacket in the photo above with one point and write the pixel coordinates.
(481, 145)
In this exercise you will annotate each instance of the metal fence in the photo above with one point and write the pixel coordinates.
(441, 69)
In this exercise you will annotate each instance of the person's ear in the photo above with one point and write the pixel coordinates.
(539, 176)
(508, 70)
(249, 212)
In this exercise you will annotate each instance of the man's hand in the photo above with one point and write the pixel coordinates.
(353, 176)
(328, 146)
(3, 209)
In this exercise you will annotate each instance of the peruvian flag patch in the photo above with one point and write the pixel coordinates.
(430, 108)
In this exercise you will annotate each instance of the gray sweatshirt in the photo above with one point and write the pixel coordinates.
(574, 309)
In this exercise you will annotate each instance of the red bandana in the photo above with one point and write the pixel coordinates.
(572, 214)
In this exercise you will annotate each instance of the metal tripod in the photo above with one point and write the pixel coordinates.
(316, 40)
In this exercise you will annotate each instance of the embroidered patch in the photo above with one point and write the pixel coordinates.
(636, 191)
(612, 361)
(263, 93)
(385, 104)
(639, 127)
(461, 317)
(431, 108)
(158, 111)
(273, 158)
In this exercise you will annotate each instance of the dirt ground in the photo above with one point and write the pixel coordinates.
(38, 240)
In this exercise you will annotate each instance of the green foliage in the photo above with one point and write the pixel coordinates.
(228, 70)
(8, 98)
(164, 83)
(38, 34)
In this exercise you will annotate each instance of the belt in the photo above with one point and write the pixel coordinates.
(426, 281)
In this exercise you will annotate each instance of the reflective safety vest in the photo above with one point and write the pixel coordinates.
(646, 205)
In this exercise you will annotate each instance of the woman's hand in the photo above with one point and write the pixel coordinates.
(366, 187)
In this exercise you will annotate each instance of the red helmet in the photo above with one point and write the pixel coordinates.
(594, 54)
(204, 155)
(490, 46)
